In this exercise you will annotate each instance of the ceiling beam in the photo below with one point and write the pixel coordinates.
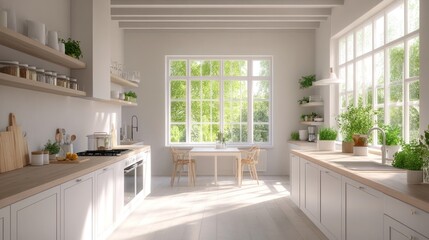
(215, 25)
(218, 12)
(225, 3)
(218, 19)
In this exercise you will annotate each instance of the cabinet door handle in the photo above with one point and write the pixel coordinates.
(105, 169)
(413, 238)
(361, 188)
(79, 180)
(413, 212)
(327, 172)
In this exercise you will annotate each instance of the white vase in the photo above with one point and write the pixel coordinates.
(326, 145)
(360, 151)
(391, 150)
(53, 40)
(36, 31)
(303, 135)
(414, 177)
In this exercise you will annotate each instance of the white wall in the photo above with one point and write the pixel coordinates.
(293, 53)
(38, 113)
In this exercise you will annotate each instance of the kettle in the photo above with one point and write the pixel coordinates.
(99, 141)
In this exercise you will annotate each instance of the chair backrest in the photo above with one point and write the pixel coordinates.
(178, 154)
(253, 154)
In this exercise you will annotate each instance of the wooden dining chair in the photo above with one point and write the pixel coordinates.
(250, 158)
(181, 159)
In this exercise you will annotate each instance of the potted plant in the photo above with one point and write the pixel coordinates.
(327, 138)
(355, 120)
(131, 96)
(53, 148)
(304, 100)
(412, 157)
(72, 48)
(307, 81)
(220, 141)
(294, 136)
(393, 139)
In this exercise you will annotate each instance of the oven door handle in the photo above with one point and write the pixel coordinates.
(139, 164)
(130, 168)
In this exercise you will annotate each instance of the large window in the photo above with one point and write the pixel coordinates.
(379, 61)
(209, 95)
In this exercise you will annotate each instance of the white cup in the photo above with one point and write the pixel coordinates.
(3, 18)
(53, 40)
(36, 31)
(114, 94)
(303, 135)
(37, 158)
(62, 47)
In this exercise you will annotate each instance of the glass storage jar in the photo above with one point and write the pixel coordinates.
(10, 68)
(51, 77)
(41, 75)
(23, 71)
(32, 73)
(73, 83)
(62, 80)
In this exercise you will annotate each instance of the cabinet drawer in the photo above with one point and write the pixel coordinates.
(408, 215)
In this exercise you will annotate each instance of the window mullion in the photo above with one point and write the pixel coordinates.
(188, 102)
(250, 105)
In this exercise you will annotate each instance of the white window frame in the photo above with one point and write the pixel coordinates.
(249, 78)
(406, 81)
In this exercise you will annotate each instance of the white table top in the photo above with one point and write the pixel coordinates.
(214, 150)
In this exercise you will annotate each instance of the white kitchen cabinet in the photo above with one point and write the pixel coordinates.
(77, 208)
(330, 202)
(363, 209)
(394, 230)
(294, 178)
(5, 223)
(147, 173)
(105, 201)
(119, 189)
(312, 190)
(37, 217)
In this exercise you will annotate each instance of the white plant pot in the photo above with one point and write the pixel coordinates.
(414, 177)
(326, 145)
(53, 156)
(391, 150)
(303, 135)
(360, 151)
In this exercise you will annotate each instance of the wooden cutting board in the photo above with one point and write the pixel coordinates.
(7, 152)
(79, 160)
(18, 139)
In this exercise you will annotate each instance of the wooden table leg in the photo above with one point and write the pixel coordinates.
(239, 170)
(215, 169)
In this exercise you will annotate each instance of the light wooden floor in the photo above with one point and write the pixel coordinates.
(209, 212)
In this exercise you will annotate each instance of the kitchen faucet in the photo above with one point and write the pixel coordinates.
(132, 126)
(383, 147)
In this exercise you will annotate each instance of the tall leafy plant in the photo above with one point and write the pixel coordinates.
(355, 120)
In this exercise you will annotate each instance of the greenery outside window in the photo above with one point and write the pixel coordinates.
(208, 95)
(379, 61)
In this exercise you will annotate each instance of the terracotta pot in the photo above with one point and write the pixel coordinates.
(414, 177)
(347, 147)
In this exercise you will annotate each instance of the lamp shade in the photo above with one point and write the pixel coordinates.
(327, 81)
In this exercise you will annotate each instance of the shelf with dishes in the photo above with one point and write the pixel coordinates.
(13, 81)
(313, 123)
(123, 103)
(34, 48)
(312, 104)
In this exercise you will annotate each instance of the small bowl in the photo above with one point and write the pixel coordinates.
(318, 119)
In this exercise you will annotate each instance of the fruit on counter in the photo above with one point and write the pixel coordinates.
(71, 156)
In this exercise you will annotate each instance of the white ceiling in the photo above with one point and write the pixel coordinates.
(221, 14)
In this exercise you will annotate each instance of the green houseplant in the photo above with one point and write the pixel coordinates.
(307, 81)
(294, 136)
(412, 157)
(53, 148)
(355, 120)
(327, 138)
(72, 48)
(393, 139)
(130, 96)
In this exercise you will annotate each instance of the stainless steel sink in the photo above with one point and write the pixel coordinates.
(365, 166)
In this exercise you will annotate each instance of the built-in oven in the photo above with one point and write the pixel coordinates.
(133, 179)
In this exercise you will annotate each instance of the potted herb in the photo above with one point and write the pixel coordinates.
(294, 136)
(412, 157)
(327, 138)
(53, 148)
(307, 81)
(393, 139)
(72, 48)
(220, 141)
(304, 100)
(355, 120)
(131, 96)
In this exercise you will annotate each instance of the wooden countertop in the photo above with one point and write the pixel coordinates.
(25, 182)
(386, 179)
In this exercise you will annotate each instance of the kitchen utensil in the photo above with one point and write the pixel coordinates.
(18, 138)
(7, 152)
(57, 137)
(36, 31)
(311, 133)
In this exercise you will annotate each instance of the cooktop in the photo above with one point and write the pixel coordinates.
(113, 152)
